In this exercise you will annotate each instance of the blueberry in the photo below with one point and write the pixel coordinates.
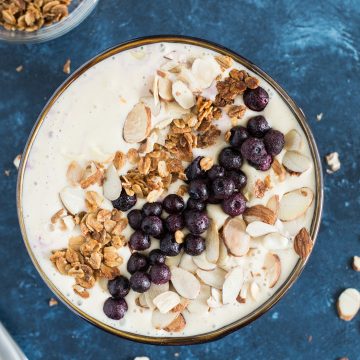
(230, 159)
(152, 225)
(156, 256)
(194, 171)
(234, 205)
(263, 164)
(154, 208)
(215, 172)
(258, 126)
(135, 217)
(196, 221)
(169, 246)
(115, 308)
(238, 177)
(139, 241)
(119, 287)
(173, 204)
(195, 205)
(256, 99)
(253, 150)
(137, 262)
(238, 134)
(140, 281)
(274, 142)
(124, 202)
(160, 274)
(194, 244)
(222, 188)
(198, 190)
(174, 222)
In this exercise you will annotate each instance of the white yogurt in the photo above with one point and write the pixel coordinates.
(85, 123)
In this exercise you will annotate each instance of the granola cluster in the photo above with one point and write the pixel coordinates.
(31, 15)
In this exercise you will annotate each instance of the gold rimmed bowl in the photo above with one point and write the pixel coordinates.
(294, 275)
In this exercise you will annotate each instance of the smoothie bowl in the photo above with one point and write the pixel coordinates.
(170, 192)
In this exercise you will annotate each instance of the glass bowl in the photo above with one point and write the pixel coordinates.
(79, 10)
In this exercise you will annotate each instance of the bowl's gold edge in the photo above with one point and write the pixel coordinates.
(314, 226)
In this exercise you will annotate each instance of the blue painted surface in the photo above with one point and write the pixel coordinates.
(312, 49)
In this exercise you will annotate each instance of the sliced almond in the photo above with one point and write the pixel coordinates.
(303, 243)
(348, 304)
(160, 321)
(166, 301)
(181, 306)
(205, 70)
(202, 262)
(150, 103)
(293, 140)
(295, 162)
(137, 125)
(215, 300)
(155, 89)
(212, 242)
(232, 285)
(254, 289)
(275, 241)
(243, 293)
(173, 260)
(274, 204)
(356, 263)
(163, 123)
(279, 170)
(112, 184)
(153, 292)
(187, 263)
(223, 253)
(214, 278)
(68, 222)
(74, 173)
(177, 325)
(199, 305)
(73, 198)
(174, 110)
(183, 95)
(185, 283)
(259, 213)
(295, 203)
(272, 266)
(235, 237)
(165, 89)
(141, 301)
(259, 228)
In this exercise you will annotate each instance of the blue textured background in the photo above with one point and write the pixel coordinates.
(312, 49)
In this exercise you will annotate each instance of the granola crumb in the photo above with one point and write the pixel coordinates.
(333, 162)
(53, 302)
(16, 161)
(20, 68)
(67, 67)
(7, 172)
(319, 117)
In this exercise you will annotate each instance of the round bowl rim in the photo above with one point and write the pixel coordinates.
(294, 275)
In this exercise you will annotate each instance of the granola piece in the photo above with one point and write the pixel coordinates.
(111, 257)
(224, 61)
(81, 291)
(118, 241)
(53, 302)
(206, 163)
(91, 176)
(108, 272)
(333, 162)
(119, 160)
(67, 67)
(228, 89)
(57, 216)
(93, 200)
(209, 138)
(279, 170)
(260, 188)
(133, 156)
(236, 111)
(74, 173)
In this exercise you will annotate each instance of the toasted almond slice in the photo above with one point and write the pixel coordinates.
(181, 306)
(187, 263)
(74, 173)
(17, 161)
(73, 198)
(141, 301)
(293, 140)
(205, 70)
(215, 300)
(259, 213)
(69, 222)
(160, 321)
(112, 184)
(348, 304)
(165, 89)
(235, 237)
(177, 325)
(153, 292)
(183, 95)
(274, 204)
(259, 228)
(232, 285)
(173, 260)
(223, 253)
(189, 79)
(163, 123)
(295, 162)
(275, 241)
(155, 89)
(202, 262)
(272, 265)
(166, 301)
(254, 289)
(212, 242)
(303, 243)
(356, 263)
(295, 203)
(185, 283)
(198, 306)
(214, 278)
(243, 293)
(150, 103)
(174, 110)
(137, 125)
